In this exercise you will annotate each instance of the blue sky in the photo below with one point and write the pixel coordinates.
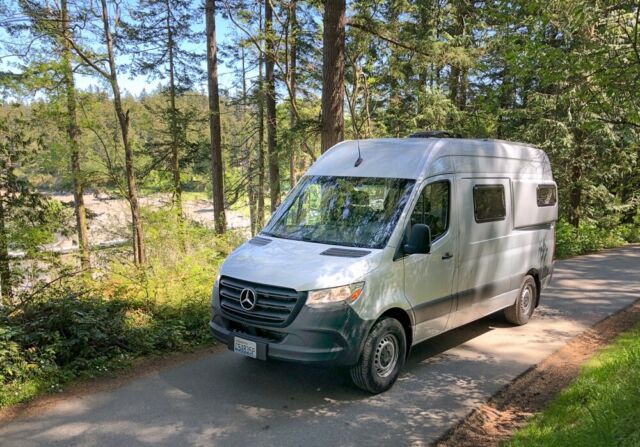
(135, 85)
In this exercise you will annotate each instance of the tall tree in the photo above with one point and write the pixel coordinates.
(73, 132)
(214, 118)
(55, 27)
(111, 75)
(270, 96)
(333, 42)
(159, 31)
(293, 79)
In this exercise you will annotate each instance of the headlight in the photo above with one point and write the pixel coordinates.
(347, 294)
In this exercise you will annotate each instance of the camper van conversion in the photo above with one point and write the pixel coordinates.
(385, 243)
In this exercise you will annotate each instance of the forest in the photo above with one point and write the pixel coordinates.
(117, 206)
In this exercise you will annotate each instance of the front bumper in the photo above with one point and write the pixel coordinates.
(332, 335)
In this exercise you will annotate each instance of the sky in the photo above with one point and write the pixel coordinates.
(135, 85)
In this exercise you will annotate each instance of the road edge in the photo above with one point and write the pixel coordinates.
(512, 406)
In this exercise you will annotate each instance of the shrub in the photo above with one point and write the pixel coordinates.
(589, 237)
(85, 326)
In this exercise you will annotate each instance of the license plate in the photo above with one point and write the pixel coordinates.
(245, 347)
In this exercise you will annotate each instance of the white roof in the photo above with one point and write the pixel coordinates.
(418, 158)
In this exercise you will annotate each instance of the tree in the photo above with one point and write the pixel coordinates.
(158, 31)
(270, 97)
(333, 66)
(55, 27)
(73, 132)
(214, 118)
(111, 75)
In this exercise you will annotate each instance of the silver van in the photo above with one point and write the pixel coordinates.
(385, 243)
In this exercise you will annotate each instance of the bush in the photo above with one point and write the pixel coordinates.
(85, 326)
(589, 237)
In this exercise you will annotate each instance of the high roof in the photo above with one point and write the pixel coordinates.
(421, 157)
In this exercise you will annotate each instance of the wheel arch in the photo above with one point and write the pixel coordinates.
(405, 320)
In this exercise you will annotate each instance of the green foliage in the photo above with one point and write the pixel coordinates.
(83, 327)
(589, 237)
(602, 406)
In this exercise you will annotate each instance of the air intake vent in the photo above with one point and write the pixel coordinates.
(432, 134)
(345, 253)
(274, 306)
(260, 241)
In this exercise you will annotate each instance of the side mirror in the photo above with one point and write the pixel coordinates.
(419, 240)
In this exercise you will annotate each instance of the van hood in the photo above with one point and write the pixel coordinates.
(298, 265)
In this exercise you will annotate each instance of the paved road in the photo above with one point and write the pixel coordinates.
(227, 400)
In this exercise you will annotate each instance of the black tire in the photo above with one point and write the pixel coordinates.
(521, 311)
(374, 372)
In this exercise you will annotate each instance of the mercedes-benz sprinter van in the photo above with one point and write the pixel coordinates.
(385, 243)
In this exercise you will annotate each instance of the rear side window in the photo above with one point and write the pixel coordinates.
(489, 203)
(546, 195)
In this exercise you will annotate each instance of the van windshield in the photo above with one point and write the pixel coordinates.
(351, 211)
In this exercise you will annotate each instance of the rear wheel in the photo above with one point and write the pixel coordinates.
(382, 357)
(522, 309)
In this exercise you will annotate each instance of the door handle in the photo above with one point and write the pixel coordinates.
(447, 255)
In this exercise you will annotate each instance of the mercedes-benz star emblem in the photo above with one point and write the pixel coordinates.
(248, 299)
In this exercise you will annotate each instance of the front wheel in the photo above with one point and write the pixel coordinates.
(522, 309)
(382, 357)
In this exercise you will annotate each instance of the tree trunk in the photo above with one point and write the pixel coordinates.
(139, 254)
(73, 133)
(175, 156)
(214, 119)
(332, 126)
(260, 155)
(293, 24)
(272, 148)
(6, 289)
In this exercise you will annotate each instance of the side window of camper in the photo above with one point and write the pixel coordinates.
(489, 203)
(432, 208)
(546, 195)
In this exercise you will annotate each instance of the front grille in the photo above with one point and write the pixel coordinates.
(275, 306)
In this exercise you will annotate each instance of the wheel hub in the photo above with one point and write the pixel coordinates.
(386, 355)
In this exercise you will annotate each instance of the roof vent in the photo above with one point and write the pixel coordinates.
(432, 134)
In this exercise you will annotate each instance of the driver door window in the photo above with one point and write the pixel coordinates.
(432, 208)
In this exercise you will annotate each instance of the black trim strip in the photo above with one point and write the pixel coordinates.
(433, 309)
(439, 307)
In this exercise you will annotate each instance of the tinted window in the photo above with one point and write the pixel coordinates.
(488, 203)
(432, 208)
(546, 195)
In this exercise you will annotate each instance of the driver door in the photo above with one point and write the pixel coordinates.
(429, 277)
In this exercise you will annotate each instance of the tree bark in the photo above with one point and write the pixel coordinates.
(332, 125)
(6, 289)
(139, 254)
(73, 133)
(214, 119)
(260, 155)
(293, 25)
(175, 156)
(272, 147)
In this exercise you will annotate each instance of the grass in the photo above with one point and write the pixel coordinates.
(600, 408)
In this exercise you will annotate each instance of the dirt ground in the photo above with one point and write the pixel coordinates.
(510, 408)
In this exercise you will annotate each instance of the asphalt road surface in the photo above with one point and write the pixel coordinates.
(227, 400)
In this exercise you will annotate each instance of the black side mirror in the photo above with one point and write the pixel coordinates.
(419, 240)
